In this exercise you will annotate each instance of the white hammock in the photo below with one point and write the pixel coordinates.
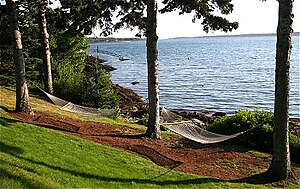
(187, 128)
(82, 110)
(191, 129)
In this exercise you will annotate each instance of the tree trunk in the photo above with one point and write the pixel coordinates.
(22, 96)
(45, 48)
(153, 88)
(280, 167)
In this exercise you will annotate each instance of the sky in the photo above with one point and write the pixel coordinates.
(253, 16)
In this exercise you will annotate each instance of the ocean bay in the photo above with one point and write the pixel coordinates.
(209, 73)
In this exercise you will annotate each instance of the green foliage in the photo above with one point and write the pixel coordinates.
(68, 55)
(241, 120)
(295, 147)
(260, 138)
(144, 120)
(69, 49)
(67, 65)
(68, 82)
(97, 89)
(91, 88)
(7, 73)
(204, 10)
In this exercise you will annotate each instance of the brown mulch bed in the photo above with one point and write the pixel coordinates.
(213, 160)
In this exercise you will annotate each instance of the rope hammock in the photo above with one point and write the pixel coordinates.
(192, 130)
(82, 110)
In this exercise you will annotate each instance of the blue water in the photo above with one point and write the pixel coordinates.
(215, 74)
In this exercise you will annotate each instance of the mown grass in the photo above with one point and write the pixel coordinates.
(40, 103)
(35, 157)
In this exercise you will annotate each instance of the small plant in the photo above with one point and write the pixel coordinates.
(143, 120)
(179, 144)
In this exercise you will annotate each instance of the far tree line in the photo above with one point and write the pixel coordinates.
(54, 39)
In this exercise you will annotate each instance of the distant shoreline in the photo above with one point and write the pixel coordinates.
(112, 39)
(237, 35)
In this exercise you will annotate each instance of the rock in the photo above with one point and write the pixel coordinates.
(196, 115)
(135, 82)
(294, 126)
(130, 102)
(91, 61)
(219, 114)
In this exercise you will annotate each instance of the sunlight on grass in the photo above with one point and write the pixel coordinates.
(36, 157)
(41, 105)
(33, 157)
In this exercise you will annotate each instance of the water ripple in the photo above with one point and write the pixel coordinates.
(218, 74)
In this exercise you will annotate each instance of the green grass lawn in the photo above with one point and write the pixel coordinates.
(35, 157)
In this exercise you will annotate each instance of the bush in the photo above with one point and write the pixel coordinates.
(97, 89)
(91, 88)
(67, 83)
(143, 120)
(295, 147)
(260, 138)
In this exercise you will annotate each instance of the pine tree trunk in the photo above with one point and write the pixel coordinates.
(22, 96)
(45, 48)
(280, 167)
(153, 88)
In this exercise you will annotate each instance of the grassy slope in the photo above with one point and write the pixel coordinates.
(35, 157)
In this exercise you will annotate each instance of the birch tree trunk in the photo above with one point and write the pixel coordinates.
(280, 167)
(153, 130)
(45, 48)
(22, 96)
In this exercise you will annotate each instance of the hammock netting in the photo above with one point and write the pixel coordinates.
(191, 129)
(82, 110)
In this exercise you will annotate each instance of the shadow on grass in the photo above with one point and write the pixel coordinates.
(4, 108)
(155, 156)
(258, 179)
(262, 178)
(126, 180)
(7, 122)
(12, 150)
(26, 182)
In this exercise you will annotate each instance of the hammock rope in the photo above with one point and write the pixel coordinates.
(192, 130)
(82, 110)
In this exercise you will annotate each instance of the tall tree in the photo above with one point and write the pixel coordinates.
(153, 129)
(45, 47)
(280, 167)
(210, 22)
(22, 96)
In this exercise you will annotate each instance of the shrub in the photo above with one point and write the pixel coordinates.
(97, 89)
(295, 147)
(143, 120)
(92, 88)
(260, 138)
(68, 82)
